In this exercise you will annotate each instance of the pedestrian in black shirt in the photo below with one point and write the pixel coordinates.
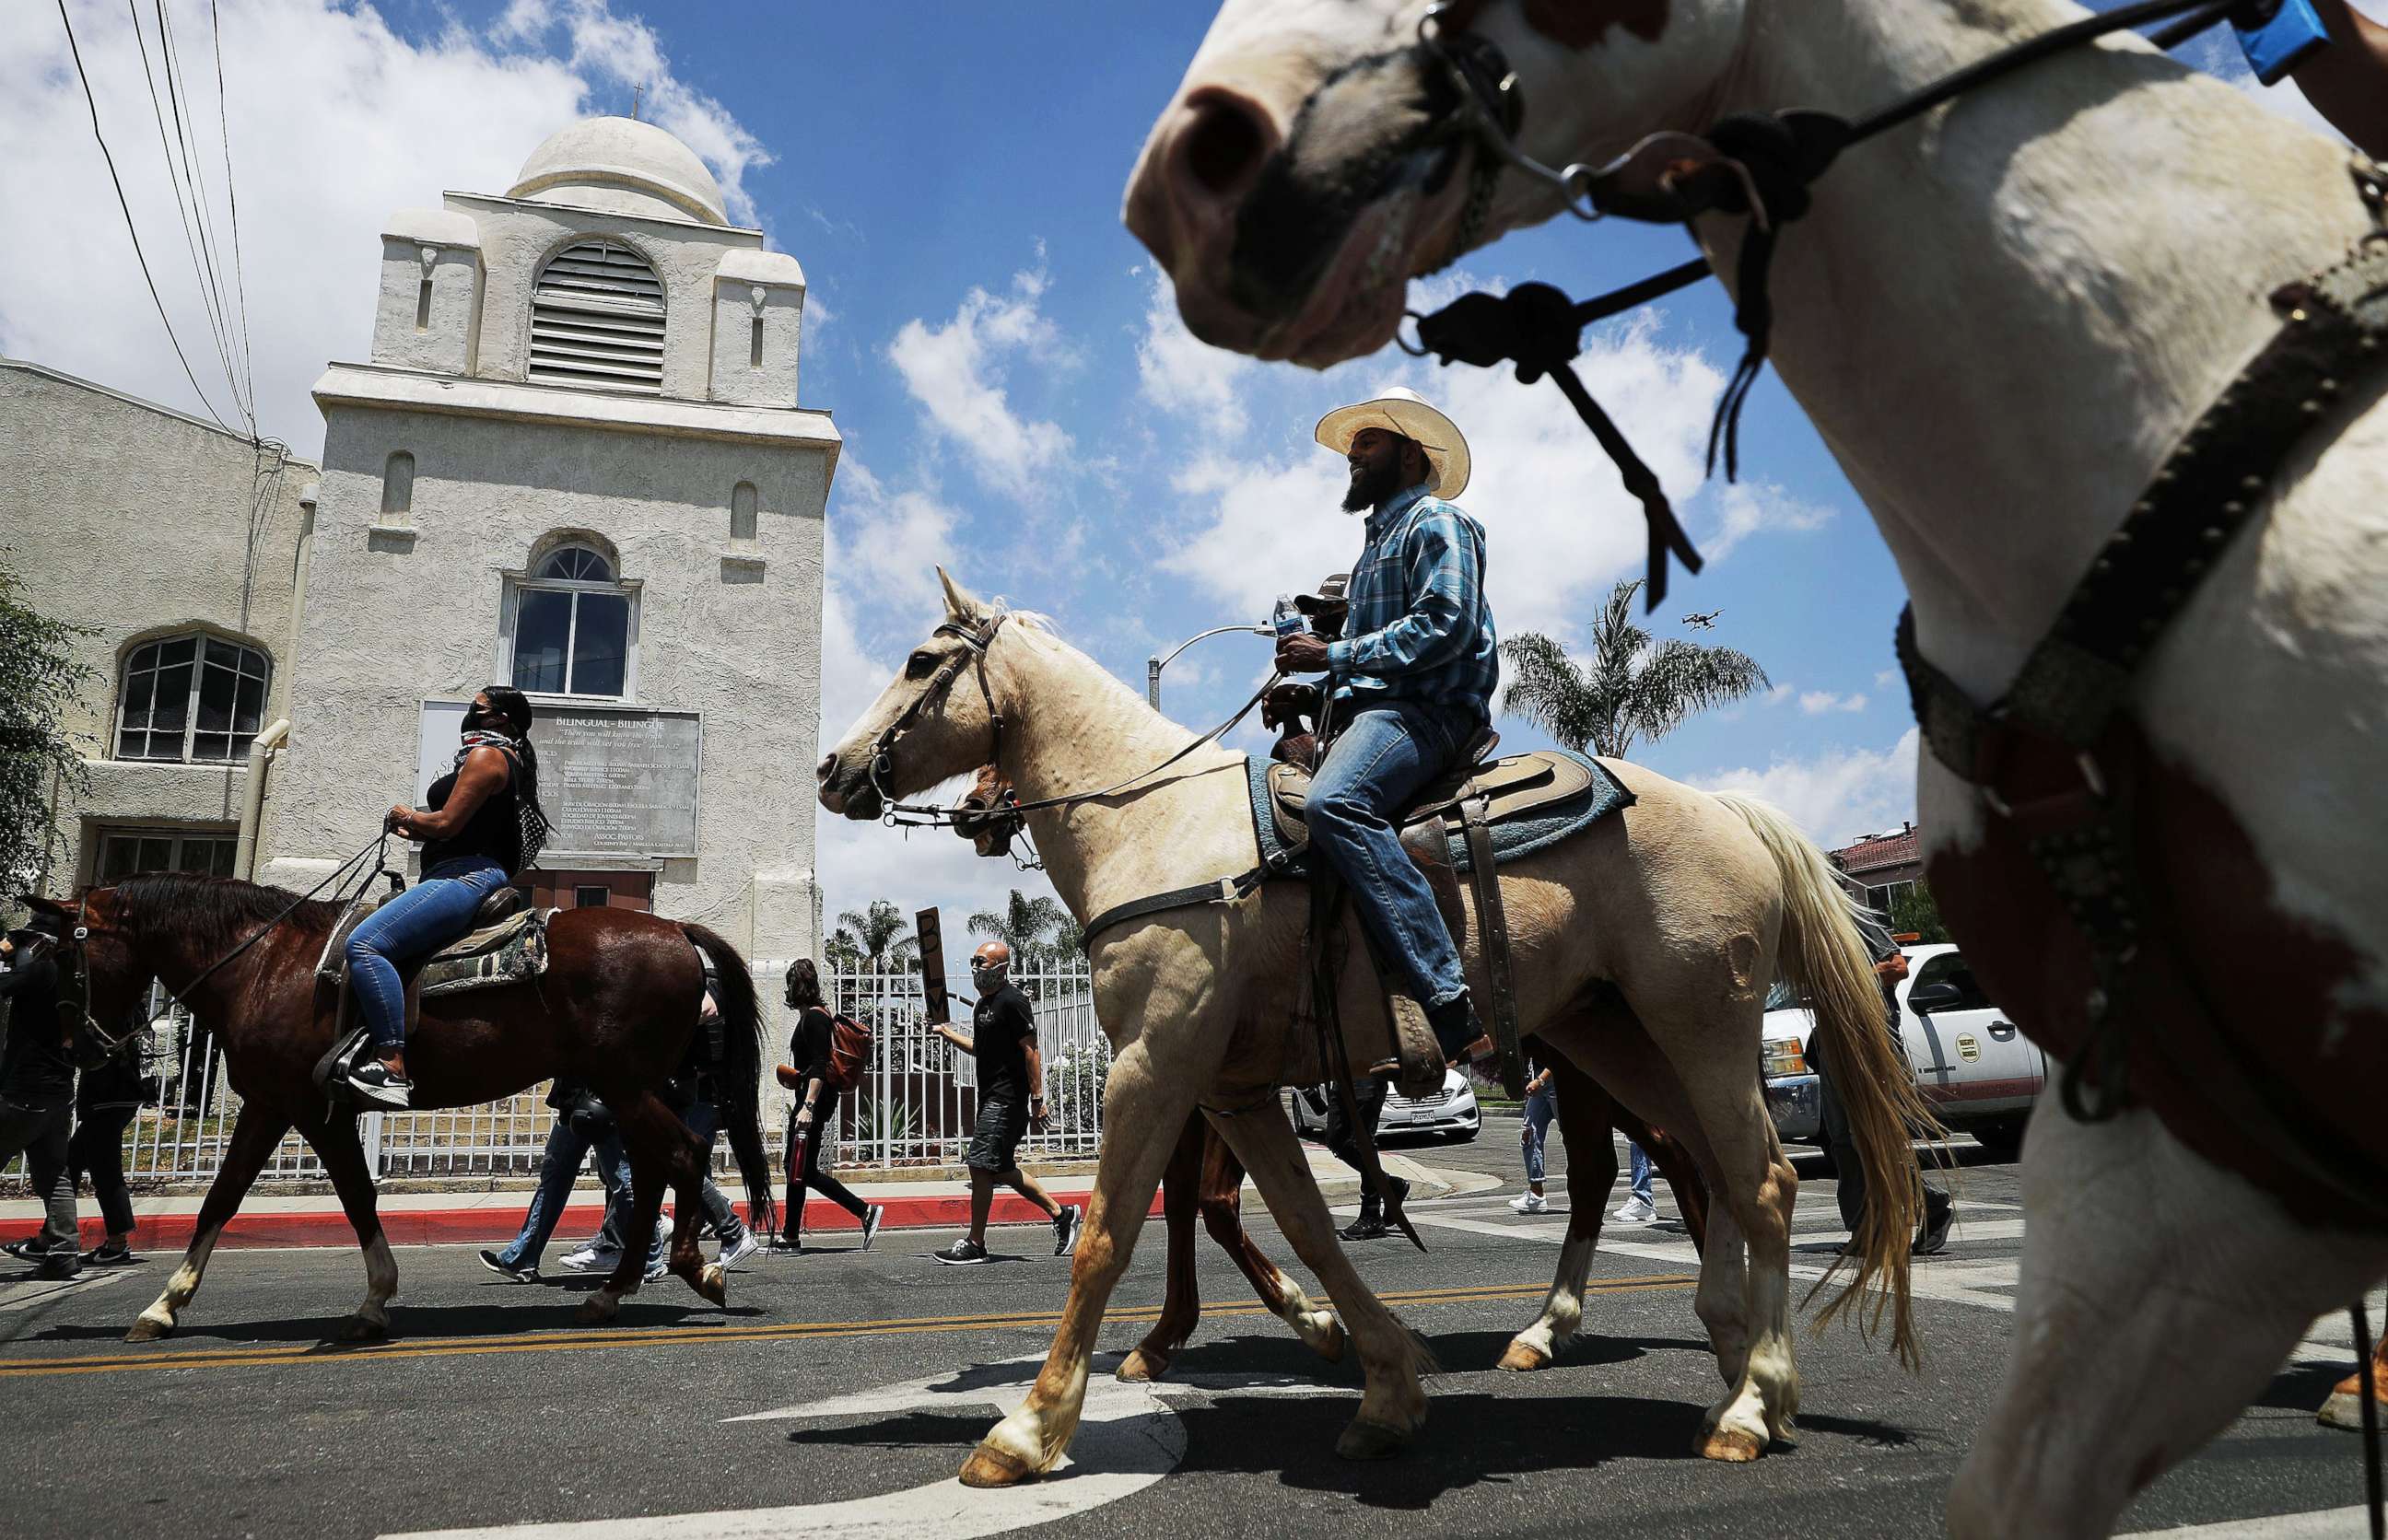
(37, 1090)
(1011, 1099)
(107, 1099)
(808, 1073)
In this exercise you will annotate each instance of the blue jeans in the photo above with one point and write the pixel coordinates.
(422, 919)
(704, 1119)
(1640, 1179)
(558, 1169)
(1542, 1105)
(1381, 760)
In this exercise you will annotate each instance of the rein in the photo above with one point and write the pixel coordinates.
(1757, 164)
(74, 980)
(975, 641)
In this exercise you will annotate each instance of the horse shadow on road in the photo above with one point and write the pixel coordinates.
(494, 1322)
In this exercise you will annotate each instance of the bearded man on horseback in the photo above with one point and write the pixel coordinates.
(483, 824)
(1409, 686)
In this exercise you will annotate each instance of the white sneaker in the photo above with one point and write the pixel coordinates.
(748, 1245)
(1530, 1203)
(593, 1259)
(1636, 1212)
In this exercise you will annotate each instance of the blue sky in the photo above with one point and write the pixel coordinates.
(1017, 397)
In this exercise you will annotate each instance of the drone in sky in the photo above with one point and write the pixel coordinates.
(1703, 622)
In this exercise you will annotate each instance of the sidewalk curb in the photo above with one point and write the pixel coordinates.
(487, 1224)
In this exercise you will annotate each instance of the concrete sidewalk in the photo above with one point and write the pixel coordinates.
(266, 1219)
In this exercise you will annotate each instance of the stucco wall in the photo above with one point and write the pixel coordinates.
(392, 620)
(140, 523)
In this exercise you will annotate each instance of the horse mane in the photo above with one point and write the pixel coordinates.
(217, 912)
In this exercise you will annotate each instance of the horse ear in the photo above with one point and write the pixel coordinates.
(960, 605)
(41, 906)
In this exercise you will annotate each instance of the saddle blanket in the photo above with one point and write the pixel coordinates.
(1538, 800)
(505, 952)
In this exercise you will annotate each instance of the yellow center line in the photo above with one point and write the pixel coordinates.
(550, 1342)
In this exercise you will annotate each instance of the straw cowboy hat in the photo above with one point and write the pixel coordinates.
(1407, 413)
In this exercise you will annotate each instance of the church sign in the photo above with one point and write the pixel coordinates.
(615, 780)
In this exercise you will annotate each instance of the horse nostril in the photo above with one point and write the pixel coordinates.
(1224, 143)
(826, 768)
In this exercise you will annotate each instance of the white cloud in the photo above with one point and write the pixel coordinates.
(1744, 509)
(1815, 702)
(956, 371)
(1178, 372)
(1777, 695)
(885, 546)
(335, 122)
(1837, 795)
(1887, 678)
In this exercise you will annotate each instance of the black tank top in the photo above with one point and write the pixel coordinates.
(494, 830)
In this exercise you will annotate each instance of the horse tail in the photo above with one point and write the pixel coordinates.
(1826, 957)
(742, 1070)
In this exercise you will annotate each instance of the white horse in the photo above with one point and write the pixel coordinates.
(1644, 949)
(2000, 317)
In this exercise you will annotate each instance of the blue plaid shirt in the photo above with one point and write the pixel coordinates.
(1419, 627)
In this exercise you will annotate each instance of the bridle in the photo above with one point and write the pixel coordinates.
(1760, 165)
(91, 1044)
(977, 640)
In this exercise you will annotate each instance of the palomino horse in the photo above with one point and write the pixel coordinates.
(617, 1008)
(1644, 949)
(1205, 1181)
(2001, 316)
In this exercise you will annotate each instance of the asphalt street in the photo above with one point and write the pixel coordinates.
(838, 1392)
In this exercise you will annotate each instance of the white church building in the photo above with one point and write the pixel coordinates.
(574, 462)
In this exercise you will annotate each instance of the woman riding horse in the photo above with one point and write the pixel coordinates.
(482, 826)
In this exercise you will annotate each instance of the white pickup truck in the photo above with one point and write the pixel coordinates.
(1979, 1073)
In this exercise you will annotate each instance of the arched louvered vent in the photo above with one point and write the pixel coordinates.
(597, 321)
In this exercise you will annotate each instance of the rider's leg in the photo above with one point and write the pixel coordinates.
(432, 912)
(1383, 759)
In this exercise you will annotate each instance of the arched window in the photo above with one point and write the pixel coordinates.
(195, 699)
(597, 321)
(742, 512)
(397, 486)
(574, 625)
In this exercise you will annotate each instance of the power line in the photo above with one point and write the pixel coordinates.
(240, 282)
(188, 205)
(178, 96)
(139, 256)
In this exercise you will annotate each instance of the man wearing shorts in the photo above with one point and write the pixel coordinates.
(1010, 1100)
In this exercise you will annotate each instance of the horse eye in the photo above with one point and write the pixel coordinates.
(919, 665)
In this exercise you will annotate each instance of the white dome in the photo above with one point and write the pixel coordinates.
(624, 165)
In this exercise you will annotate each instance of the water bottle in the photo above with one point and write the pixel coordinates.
(1287, 620)
(2276, 36)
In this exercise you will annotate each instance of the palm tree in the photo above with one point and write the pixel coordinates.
(878, 935)
(1629, 689)
(1026, 925)
(845, 952)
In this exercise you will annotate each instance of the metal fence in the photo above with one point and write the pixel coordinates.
(914, 1108)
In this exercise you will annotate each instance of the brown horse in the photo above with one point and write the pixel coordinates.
(1205, 1179)
(617, 1008)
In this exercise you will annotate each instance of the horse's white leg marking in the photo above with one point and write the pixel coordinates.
(2158, 1295)
(1313, 1323)
(1038, 1431)
(1393, 1406)
(381, 1286)
(1563, 1308)
(158, 1319)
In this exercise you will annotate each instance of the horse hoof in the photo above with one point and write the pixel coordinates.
(713, 1284)
(1142, 1367)
(1733, 1445)
(363, 1329)
(1328, 1341)
(149, 1328)
(1363, 1440)
(597, 1309)
(1524, 1358)
(989, 1466)
(2343, 1410)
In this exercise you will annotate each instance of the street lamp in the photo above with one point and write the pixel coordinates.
(1154, 664)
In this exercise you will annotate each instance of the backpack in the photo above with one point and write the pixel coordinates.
(849, 1052)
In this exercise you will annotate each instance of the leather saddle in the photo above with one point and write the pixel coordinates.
(506, 944)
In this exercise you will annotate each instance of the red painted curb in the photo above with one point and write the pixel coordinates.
(429, 1226)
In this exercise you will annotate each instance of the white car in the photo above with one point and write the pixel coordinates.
(1979, 1073)
(1449, 1114)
